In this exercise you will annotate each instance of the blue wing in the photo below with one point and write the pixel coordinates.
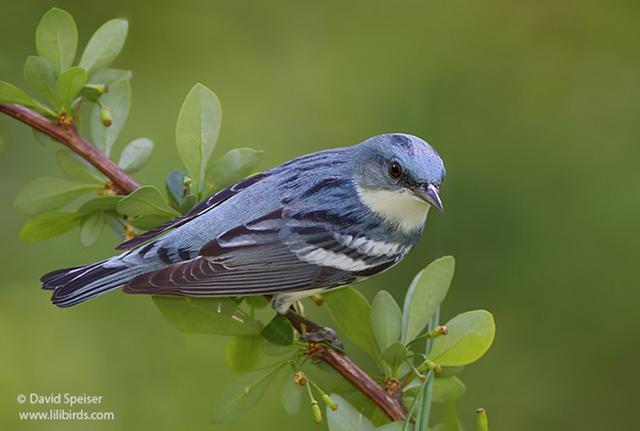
(283, 251)
(206, 205)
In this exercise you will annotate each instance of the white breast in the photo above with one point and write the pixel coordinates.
(401, 208)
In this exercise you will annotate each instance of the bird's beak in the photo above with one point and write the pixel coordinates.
(429, 194)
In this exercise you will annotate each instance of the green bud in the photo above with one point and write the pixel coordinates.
(436, 368)
(482, 421)
(317, 299)
(329, 402)
(438, 331)
(317, 412)
(105, 116)
(186, 185)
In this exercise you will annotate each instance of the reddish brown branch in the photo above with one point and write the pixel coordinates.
(122, 183)
(390, 405)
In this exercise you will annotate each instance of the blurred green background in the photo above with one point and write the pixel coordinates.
(533, 106)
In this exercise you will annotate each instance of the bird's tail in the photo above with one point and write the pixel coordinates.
(72, 286)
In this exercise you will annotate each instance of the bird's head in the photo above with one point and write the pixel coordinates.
(399, 176)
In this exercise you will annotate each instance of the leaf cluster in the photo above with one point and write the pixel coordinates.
(84, 198)
(407, 345)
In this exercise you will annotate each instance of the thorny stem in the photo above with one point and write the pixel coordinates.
(123, 184)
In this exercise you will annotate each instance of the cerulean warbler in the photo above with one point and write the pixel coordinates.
(314, 223)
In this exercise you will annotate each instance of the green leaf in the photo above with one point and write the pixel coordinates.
(271, 349)
(425, 393)
(41, 77)
(175, 187)
(197, 132)
(352, 313)
(257, 301)
(49, 224)
(291, 394)
(105, 45)
(57, 39)
(423, 412)
(220, 316)
(116, 223)
(187, 203)
(346, 417)
(412, 388)
(386, 320)
(148, 222)
(449, 418)
(395, 355)
(146, 201)
(69, 85)
(44, 194)
(447, 389)
(92, 227)
(135, 154)
(233, 166)
(428, 289)
(11, 94)
(242, 393)
(109, 76)
(118, 100)
(244, 352)
(470, 336)
(279, 331)
(77, 168)
(100, 203)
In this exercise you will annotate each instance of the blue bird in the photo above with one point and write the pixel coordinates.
(312, 224)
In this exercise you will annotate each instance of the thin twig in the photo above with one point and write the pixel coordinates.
(124, 184)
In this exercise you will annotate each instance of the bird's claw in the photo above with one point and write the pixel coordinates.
(324, 335)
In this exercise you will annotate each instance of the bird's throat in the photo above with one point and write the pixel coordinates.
(403, 208)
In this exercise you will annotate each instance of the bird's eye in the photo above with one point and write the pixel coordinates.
(395, 170)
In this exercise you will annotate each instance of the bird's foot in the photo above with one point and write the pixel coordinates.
(314, 332)
(323, 334)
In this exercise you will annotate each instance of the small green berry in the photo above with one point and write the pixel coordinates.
(105, 116)
(329, 402)
(317, 412)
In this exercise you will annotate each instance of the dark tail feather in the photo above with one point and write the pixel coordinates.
(72, 286)
(58, 278)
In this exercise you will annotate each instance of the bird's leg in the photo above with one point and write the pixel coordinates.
(314, 332)
(309, 331)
